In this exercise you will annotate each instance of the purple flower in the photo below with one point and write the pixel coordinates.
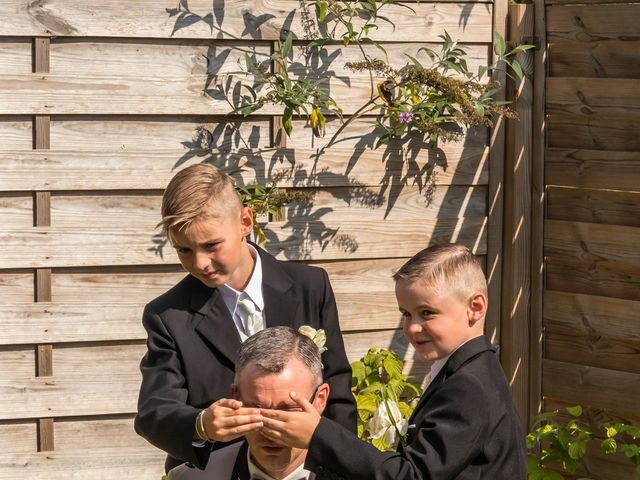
(405, 117)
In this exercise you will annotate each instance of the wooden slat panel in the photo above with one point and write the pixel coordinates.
(618, 98)
(610, 59)
(18, 438)
(596, 387)
(594, 206)
(598, 133)
(614, 245)
(15, 55)
(592, 169)
(69, 170)
(261, 20)
(15, 132)
(585, 23)
(55, 94)
(104, 464)
(177, 58)
(52, 247)
(78, 434)
(179, 134)
(602, 278)
(16, 210)
(332, 206)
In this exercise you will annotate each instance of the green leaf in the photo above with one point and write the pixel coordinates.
(321, 11)
(609, 445)
(286, 46)
(500, 46)
(393, 366)
(517, 69)
(577, 450)
(367, 401)
(287, 120)
(380, 443)
(574, 411)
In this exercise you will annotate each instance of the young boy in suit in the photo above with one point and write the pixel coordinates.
(464, 425)
(233, 290)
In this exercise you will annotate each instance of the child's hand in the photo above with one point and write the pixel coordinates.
(226, 420)
(293, 429)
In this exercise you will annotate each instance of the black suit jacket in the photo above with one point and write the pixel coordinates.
(192, 345)
(465, 427)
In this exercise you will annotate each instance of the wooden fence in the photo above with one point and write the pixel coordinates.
(100, 104)
(592, 219)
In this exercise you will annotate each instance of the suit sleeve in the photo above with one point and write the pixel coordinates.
(337, 371)
(448, 439)
(164, 418)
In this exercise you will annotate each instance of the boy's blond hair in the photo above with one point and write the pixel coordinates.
(447, 268)
(196, 192)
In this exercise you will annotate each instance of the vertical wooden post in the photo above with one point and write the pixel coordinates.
(516, 287)
(278, 134)
(538, 143)
(496, 192)
(42, 218)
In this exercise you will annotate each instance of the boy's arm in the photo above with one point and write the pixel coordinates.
(164, 418)
(337, 371)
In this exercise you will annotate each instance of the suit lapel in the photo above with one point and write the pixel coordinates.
(457, 359)
(213, 320)
(241, 467)
(280, 305)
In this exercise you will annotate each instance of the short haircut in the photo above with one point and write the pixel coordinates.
(449, 267)
(196, 192)
(271, 349)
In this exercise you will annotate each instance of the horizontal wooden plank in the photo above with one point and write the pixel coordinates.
(49, 247)
(16, 132)
(16, 438)
(593, 243)
(101, 464)
(17, 362)
(593, 350)
(592, 169)
(617, 98)
(598, 133)
(182, 58)
(601, 278)
(596, 331)
(262, 20)
(77, 435)
(585, 23)
(591, 386)
(608, 59)
(15, 55)
(18, 286)
(16, 210)
(594, 206)
(333, 205)
(99, 170)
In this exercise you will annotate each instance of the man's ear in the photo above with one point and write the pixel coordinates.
(235, 394)
(477, 308)
(322, 397)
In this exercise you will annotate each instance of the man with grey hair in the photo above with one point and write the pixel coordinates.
(270, 364)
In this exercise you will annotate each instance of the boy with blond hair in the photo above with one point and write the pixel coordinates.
(464, 425)
(234, 289)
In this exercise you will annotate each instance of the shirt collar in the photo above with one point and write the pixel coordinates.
(437, 365)
(299, 473)
(253, 289)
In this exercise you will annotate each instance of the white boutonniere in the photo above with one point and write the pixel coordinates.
(388, 423)
(319, 337)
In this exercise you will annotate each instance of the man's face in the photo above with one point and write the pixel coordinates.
(213, 249)
(257, 388)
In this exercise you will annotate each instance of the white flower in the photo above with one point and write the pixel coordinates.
(319, 337)
(381, 425)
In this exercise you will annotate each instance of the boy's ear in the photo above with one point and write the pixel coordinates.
(246, 221)
(477, 308)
